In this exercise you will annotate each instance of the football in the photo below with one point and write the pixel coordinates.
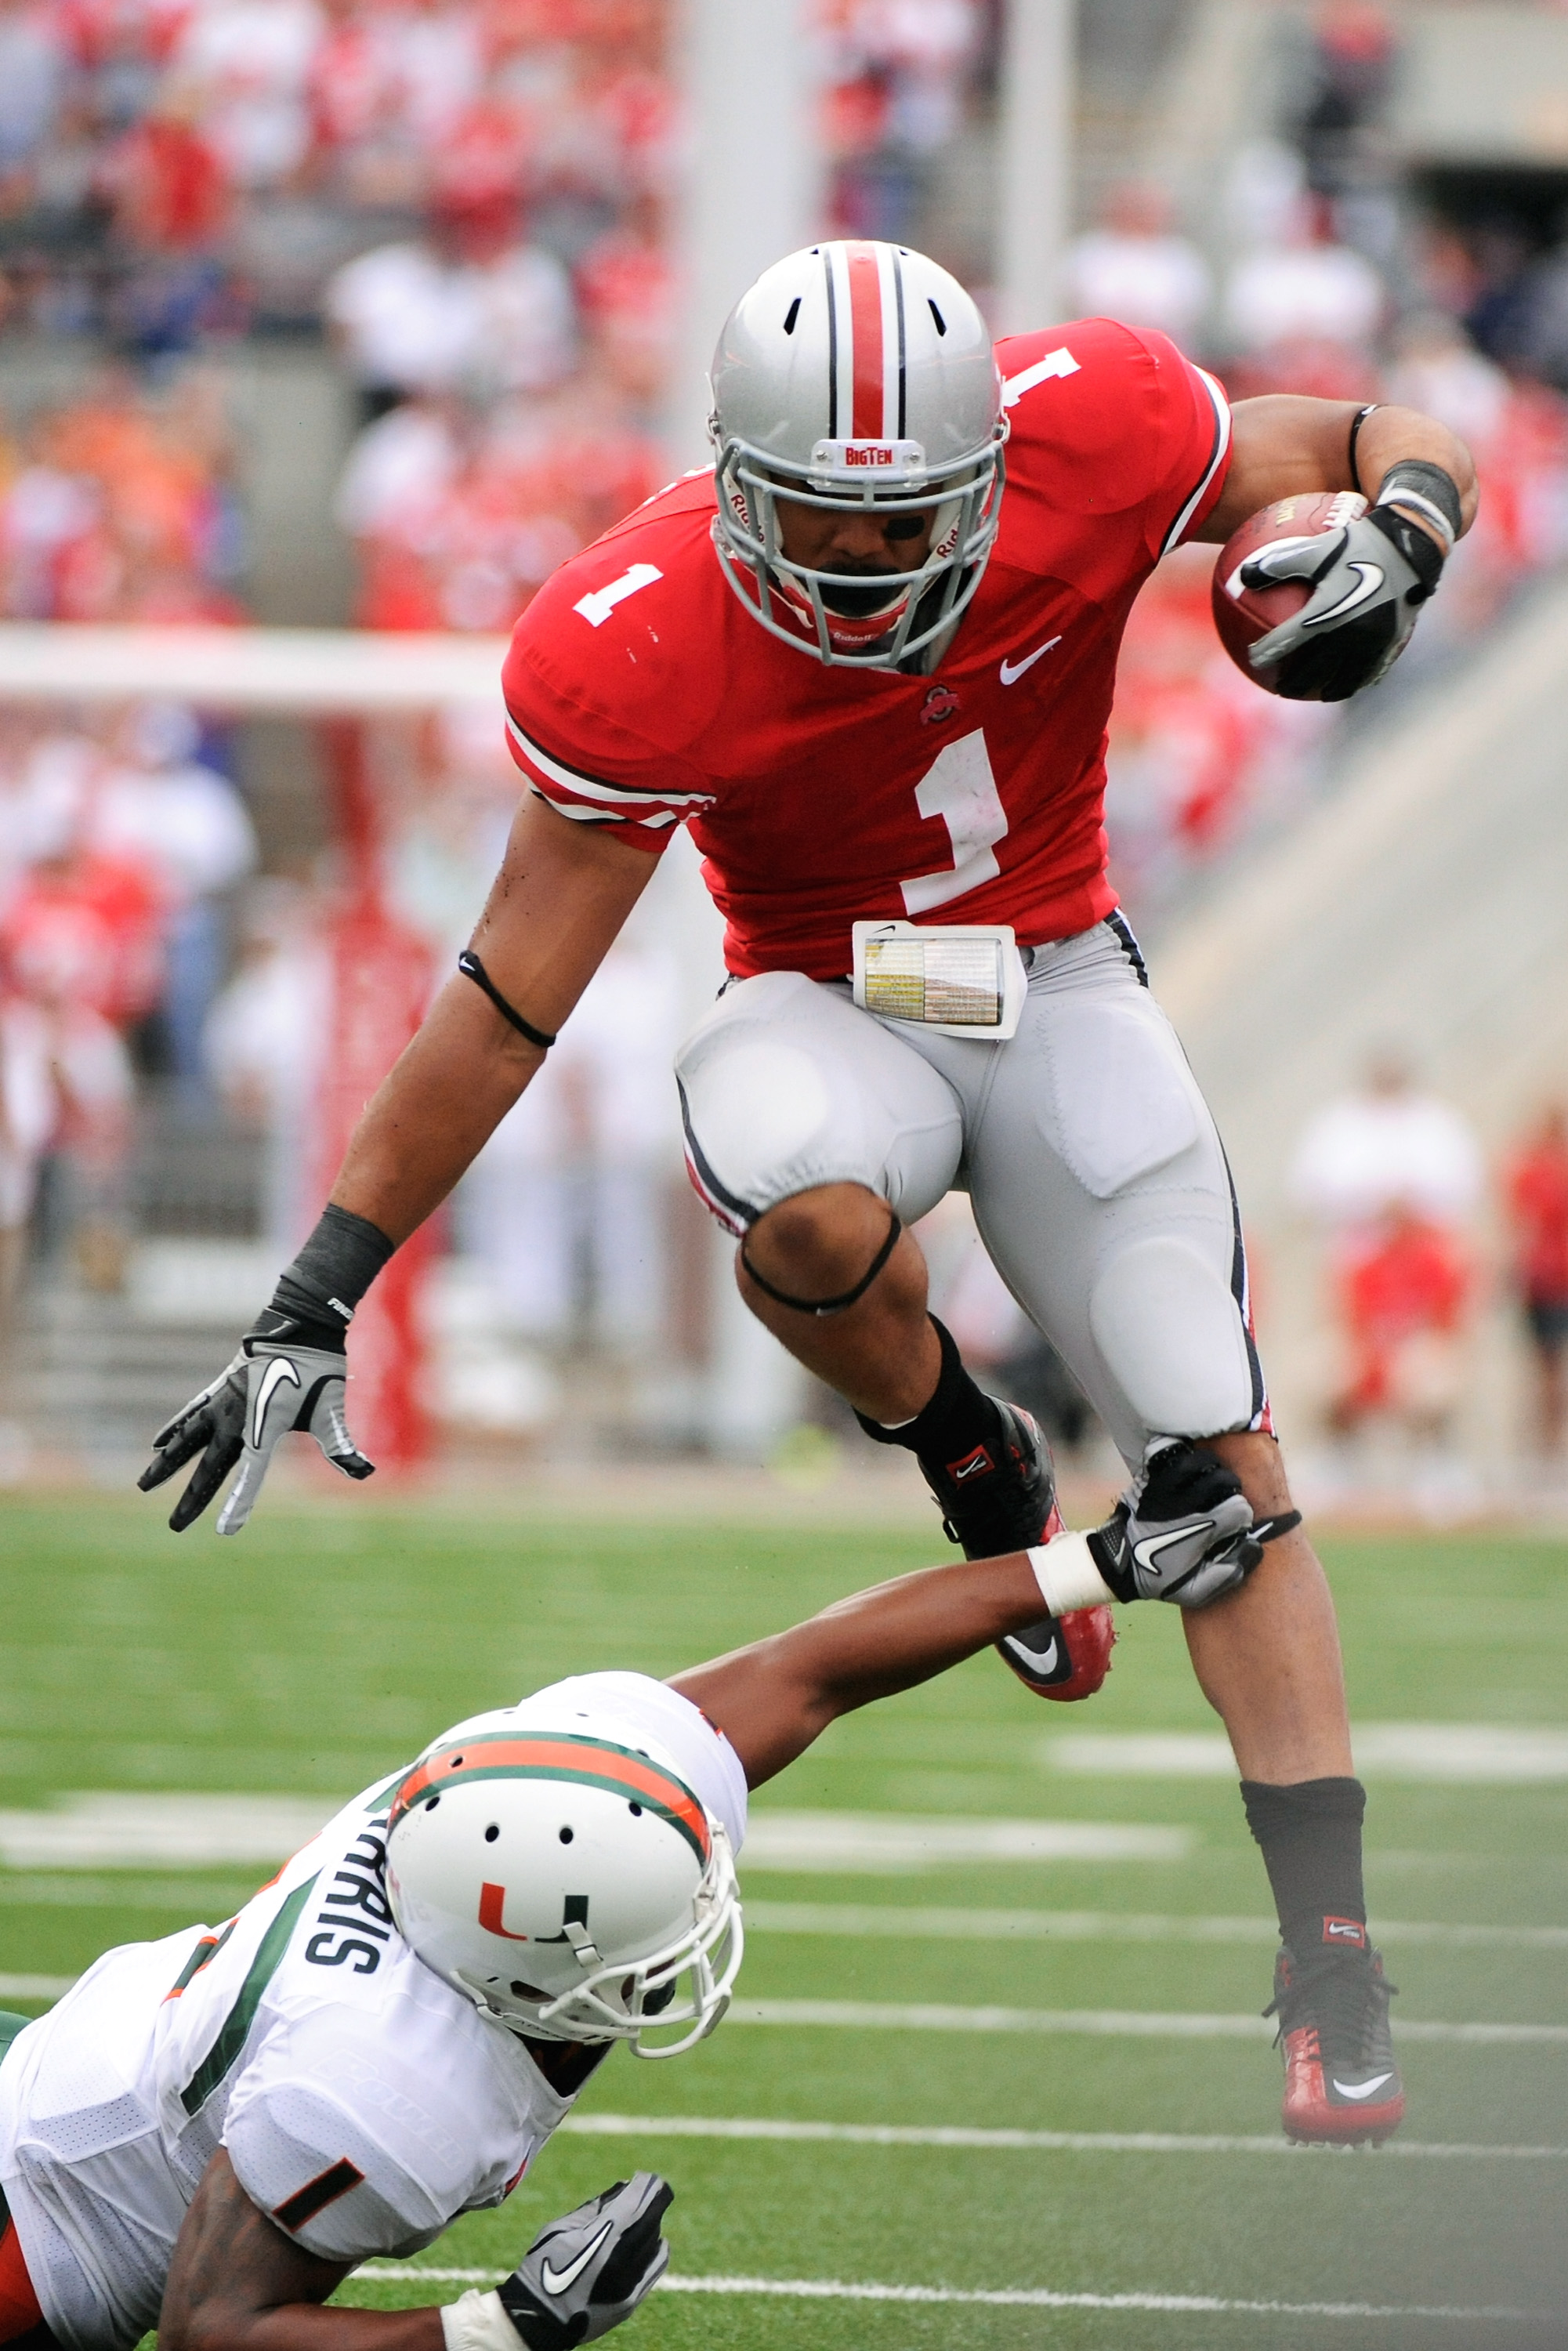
(1243, 614)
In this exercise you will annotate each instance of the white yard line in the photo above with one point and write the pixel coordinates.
(947, 2135)
(882, 1919)
(1114, 2023)
(1005, 2297)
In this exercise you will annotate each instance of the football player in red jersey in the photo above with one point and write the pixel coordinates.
(870, 660)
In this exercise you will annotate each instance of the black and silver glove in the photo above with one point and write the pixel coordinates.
(1368, 581)
(267, 1390)
(586, 2273)
(291, 1372)
(1182, 1531)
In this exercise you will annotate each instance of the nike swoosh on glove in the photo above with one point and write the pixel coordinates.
(267, 1390)
(1183, 1531)
(585, 2274)
(1367, 581)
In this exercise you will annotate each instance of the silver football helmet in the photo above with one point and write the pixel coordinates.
(567, 1883)
(857, 371)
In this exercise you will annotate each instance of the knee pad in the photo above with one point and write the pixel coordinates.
(758, 1120)
(1169, 1330)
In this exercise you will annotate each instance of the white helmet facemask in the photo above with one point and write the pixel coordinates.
(857, 374)
(571, 1885)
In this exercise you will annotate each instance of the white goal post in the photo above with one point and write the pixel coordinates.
(305, 672)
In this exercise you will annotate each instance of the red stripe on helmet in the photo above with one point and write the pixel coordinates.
(865, 328)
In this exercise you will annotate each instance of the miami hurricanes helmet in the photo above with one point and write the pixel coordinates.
(857, 371)
(566, 1883)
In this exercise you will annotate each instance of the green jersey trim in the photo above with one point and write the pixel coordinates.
(236, 2026)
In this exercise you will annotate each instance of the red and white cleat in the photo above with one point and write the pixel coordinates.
(996, 1502)
(1341, 2086)
(1062, 1657)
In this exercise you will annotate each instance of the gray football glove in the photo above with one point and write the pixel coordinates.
(586, 2273)
(1182, 1531)
(1367, 581)
(268, 1389)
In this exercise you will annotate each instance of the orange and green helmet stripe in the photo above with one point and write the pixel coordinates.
(557, 1755)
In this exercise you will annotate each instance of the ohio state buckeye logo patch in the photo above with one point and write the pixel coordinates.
(939, 704)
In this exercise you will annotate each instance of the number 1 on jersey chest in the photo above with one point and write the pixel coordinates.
(960, 789)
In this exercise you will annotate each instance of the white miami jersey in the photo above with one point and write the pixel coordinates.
(362, 2101)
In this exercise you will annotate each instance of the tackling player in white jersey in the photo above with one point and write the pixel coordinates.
(209, 2132)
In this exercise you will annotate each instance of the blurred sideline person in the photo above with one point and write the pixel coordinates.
(1403, 1290)
(210, 2132)
(875, 681)
(1386, 1142)
(1137, 267)
(1536, 1183)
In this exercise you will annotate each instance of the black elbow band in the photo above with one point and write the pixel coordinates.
(1412, 482)
(469, 965)
(829, 1305)
(315, 1298)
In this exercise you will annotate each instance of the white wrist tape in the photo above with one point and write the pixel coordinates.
(478, 2321)
(1067, 1578)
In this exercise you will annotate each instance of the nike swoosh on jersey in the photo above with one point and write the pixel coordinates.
(1362, 2089)
(272, 1379)
(1012, 670)
(557, 2281)
(1368, 584)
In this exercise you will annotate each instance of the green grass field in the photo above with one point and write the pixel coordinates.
(328, 1643)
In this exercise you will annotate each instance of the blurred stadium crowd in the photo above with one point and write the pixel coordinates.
(471, 203)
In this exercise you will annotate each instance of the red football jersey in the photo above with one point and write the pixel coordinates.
(643, 694)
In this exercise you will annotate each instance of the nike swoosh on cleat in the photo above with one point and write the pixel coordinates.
(557, 2281)
(1042, 1660)
(1012, 670)
(1361, 2089)
(272, 1379)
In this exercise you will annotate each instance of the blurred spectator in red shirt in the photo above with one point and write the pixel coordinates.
(1537, 1189)
(1403, 1290)
(165, 180)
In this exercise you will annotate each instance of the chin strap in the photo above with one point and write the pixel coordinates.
(829, 1305)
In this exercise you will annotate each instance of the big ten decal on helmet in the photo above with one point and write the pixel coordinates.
(354, 1924)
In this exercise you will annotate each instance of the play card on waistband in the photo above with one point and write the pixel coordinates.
(964, 980)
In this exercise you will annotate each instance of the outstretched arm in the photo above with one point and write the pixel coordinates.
(1284, 445)
(239, 2284)
(562, 894)
(775, 1697)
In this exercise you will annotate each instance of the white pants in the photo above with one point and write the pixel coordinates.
(1098, 1180)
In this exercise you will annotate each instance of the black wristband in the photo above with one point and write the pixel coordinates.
(1412, 482)
(315, 1298)
(1356, 421)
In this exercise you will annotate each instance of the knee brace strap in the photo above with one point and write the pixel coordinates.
(829, 1305)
